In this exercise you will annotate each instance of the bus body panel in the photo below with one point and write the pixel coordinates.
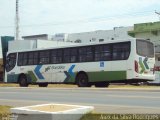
(145, 68)
(145, 64)
(97, 71)
(67, 73)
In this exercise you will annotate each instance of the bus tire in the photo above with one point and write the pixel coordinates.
(102, 84)
(43, 84)
(23, 81)
(82, 80)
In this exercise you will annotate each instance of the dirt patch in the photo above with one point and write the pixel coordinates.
(53, 108)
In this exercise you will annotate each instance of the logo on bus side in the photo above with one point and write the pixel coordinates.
(143, 64)
(54, 68)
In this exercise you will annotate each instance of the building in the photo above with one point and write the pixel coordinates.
(151, 32)
(36, 37)
(4, 49)
(35, 44)
(61, 37)
(100, 35)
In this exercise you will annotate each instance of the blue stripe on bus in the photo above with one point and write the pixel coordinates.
(38, 73)
(71, 70)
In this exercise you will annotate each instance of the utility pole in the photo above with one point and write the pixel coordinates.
(158, 13)
(17, 20)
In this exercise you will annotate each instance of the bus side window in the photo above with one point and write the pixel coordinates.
(107, 52)
(73, 55)
(121, 51)
(25, 58)
(59, 56)
(44, 57)
(35, 59)
(22, 59)
(56, 56)
(102, 52)
(98, 50)
(85, 54)
(53, 56)
(30, 58)
(82, 54)
(89, 54)
(66, 55)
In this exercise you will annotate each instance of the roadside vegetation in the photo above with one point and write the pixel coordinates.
(4, 109)
(5, 112)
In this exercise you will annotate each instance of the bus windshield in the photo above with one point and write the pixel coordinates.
(145, 48)
(11, 61)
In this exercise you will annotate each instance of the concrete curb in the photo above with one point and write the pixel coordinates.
(74, 112)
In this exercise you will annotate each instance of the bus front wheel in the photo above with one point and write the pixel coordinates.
(82, 80)
(23, 81)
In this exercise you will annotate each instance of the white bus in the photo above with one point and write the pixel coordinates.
(121, 61)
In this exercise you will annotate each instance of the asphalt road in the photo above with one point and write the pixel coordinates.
(104, 100)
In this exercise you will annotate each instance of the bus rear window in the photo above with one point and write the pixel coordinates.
(145, 48)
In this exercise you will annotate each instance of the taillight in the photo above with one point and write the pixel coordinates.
(136, 66)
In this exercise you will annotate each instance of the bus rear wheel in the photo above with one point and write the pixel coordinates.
(102, 84)
(82, 80)
(23, 81)
(43, 84)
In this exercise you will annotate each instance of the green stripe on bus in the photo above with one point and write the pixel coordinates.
(102, 76)
(107, 76)
(71, 79)
(33, 77)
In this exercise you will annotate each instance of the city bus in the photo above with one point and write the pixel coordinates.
(99, 64)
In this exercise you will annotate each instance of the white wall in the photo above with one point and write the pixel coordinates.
(21, 45)
(62, 37)
(51, 43)
(94, 36)
(33, 44)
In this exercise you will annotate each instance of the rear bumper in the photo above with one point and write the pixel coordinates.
(145, 77)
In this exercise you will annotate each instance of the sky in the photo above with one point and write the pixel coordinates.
(72, 16)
